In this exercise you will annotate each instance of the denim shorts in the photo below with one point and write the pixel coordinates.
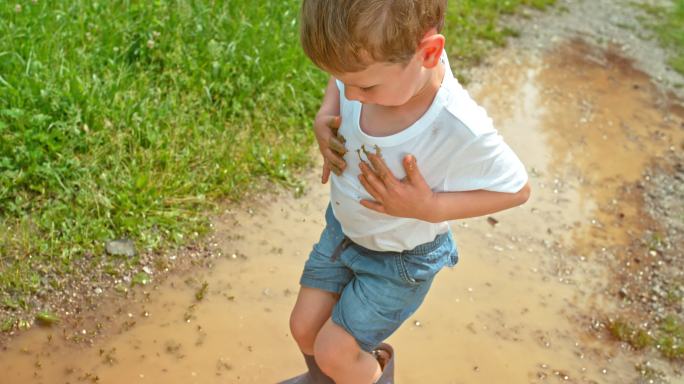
(378, 290)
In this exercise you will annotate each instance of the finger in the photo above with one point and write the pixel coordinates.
(334, 158)
(336, 145)
(335, 169)
(326, 173)
(341, 138)
(381, 169)
(367, 169)
(369, 188)
(335, 122)
(413, 175)
(375, 206)
(375, 182)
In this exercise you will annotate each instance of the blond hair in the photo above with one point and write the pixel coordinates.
(347, 35)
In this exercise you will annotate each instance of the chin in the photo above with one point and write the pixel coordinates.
(392, 103)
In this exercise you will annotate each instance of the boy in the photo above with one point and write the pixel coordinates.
(393, 99)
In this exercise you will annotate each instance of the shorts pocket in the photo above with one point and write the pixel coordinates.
(415, 269)
(418, 268)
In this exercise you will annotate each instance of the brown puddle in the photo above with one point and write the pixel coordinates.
(583, 121)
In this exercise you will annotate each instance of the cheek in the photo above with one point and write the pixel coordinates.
(404, 87)
(396, 95)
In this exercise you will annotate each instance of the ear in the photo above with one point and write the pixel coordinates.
(430, 48)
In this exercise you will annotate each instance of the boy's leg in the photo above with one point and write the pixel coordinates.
(311, 311)
(340, 357)
(323, 278)
(385, 290)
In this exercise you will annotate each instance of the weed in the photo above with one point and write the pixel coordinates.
(199, 295)
(625, 332)
(668, 25)
(667, 336)
(670, 340)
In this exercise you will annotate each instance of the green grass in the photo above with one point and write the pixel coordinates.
(473, 27)
(670, 338)
(667, 336)
(136, 118)
(131, 119)
(668, 25)
(626, 332)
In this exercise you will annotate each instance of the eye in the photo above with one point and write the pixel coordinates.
(365, 89)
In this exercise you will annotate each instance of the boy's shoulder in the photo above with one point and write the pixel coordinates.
(465, 118)
(462, 114)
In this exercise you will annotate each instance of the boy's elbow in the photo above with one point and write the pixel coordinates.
(524, 194)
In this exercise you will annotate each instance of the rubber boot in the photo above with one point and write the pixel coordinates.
(387, 376)
(314, 376)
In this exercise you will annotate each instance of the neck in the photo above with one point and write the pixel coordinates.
(397, 118)
(432, 80)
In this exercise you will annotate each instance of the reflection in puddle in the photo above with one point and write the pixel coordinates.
(582, 121)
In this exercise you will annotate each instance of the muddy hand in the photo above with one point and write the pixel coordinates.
(337, 163)
(409, 197)
(332, 147)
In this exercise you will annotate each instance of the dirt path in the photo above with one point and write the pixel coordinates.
(522, 306)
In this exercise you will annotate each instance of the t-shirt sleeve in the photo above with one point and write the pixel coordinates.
(486, 162)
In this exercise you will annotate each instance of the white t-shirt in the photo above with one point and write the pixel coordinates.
(457, 149)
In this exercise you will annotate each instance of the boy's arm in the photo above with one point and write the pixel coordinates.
(331, 100)
(412, 197)
(326, 123)
(461, 205)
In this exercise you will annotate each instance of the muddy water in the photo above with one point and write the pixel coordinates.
(514, 309)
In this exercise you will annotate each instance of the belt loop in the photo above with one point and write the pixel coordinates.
(340, 248)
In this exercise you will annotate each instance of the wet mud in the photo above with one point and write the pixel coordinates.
(526, 303)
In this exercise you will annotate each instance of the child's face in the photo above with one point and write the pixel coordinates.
(385, 84)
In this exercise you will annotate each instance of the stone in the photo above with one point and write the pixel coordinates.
(121, 247)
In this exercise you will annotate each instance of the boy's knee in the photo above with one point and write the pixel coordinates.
(327, 355)
(334, 349)
(303, 331)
